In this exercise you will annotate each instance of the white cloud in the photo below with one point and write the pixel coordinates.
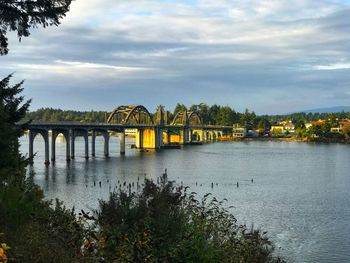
(87, 65)
(78, 69)
(333, 66)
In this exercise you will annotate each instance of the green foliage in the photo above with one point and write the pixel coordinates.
(247, 120)
(34, 229)
(309, 117)
(299, 123)
(21, 15)
(12, 109)
(166, 224)
(263, 123)
(322, 133)
(346, 131)
(179, 108)
(54, 115)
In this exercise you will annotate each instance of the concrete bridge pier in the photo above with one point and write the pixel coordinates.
(106, 145)
(139, 139)
(85, 135)
(212, 135)
(86, 140)
(72, 144)
(159, 138)
(31, 144)
(68, 150)
(165, 137)
(105, 135)
(203, 139)
(93, 142)
(53, 145)
(168, 137)
(122, 142)
(184, 134)
(47, 148)
(215, 136)
(207, 136)
(149, 138)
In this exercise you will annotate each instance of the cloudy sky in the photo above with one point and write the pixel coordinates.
(268, 56)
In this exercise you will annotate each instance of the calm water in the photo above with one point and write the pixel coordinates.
(300, 193)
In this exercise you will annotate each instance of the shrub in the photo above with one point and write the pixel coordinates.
(163, 223)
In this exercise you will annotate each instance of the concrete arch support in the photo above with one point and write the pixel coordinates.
(45, 135)
(66, 134)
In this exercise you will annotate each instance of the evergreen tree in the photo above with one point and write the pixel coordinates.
(12, 109)
(214, 113)
(179, 108)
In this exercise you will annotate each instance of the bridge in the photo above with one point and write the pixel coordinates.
(150, 133)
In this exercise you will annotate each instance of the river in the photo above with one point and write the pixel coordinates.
(300, 192)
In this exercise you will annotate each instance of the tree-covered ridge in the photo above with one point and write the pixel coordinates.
(53, 115)
(309, 117)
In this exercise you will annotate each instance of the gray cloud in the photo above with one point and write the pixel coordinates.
(266, 56)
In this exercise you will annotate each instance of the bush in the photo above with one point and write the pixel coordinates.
(166, 224)
(37, 231)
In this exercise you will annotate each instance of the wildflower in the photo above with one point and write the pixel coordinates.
(3, 256)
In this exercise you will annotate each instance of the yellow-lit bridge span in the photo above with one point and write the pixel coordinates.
(150, 132)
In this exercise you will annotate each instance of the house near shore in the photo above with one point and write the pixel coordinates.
(239, 132)
(341, 126)
(282, 128)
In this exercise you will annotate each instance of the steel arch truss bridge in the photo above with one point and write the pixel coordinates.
(132, 121)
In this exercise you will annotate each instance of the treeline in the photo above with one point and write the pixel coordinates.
(214, 115)
(53, 115)
(309, 117)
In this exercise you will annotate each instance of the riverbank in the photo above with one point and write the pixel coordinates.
(293, 139)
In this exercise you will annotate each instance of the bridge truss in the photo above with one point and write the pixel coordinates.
(131, 114)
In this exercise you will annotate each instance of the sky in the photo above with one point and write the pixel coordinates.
(271, 57)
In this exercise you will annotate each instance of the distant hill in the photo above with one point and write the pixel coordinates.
(328, 110)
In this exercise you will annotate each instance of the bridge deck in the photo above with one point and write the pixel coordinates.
(114, 127)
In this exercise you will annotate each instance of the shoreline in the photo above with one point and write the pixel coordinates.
(290, 139)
